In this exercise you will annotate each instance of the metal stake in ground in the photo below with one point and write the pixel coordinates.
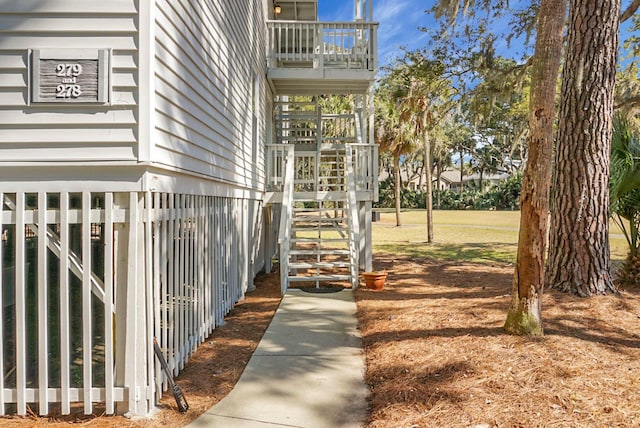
(181, 401)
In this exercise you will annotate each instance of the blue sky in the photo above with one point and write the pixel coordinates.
(399, 22)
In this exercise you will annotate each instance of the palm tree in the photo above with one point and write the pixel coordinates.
(485, 159)
(391, 137)
(624, 185)
(424, 97)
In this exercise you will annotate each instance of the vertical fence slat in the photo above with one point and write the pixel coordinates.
(108, 305)
(206, 272)
(214, 260)
(225, 260)
(157, 294)
(237, 230)
(173, 277)
(181, 277)
(178, 267)
(213, 244)
(43, 342)
(186, 281)
(231, 260)
(20, 301)
(217, 257)
(198, 272)
(149, 290)
(2, 267)
(201, 268)
(195, 234)
(65, 357)
(190, 278)
(87, 318)
(164, 299)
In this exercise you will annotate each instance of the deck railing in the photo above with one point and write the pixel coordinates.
(307, 44)
(307, 171)
(338, 127)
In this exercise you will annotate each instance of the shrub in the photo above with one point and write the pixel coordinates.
(504, 196)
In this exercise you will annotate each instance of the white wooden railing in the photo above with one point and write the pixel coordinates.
(365, 167)
(88, 279)
(338, 127)
(276, 162)
(306, 172)
(350, 45)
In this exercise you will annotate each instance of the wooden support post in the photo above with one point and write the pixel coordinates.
(366, 254)
(131, 308)
(269, 239)
(121, 262)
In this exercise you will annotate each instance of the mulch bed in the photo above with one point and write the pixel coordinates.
(437, 355)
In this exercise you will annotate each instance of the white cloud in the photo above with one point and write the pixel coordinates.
(399, 22)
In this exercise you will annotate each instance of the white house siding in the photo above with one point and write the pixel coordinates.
(208, 56)
(67, 133)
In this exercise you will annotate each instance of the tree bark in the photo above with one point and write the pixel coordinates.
(438, 178)
(429, 187)
(461, 169)
(398, 183)
(579, 258)
(525, 313)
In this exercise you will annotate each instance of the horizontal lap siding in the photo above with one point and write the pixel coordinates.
(74, 133)
(206, 56)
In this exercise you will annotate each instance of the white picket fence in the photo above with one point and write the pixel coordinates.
(88, 279)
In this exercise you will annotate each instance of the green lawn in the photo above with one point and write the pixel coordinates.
(478, 236)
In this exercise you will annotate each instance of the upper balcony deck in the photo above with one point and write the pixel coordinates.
(312, 57)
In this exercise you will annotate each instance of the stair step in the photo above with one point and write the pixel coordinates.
(320, 228)
(313, 265)
(318, 240)
(319, 219)
(303, 210)
(319, 252)
(319, 278)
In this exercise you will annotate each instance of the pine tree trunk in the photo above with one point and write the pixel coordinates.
(429, 188)
(461, 169)
(438, 178)
(525, 317)
(398, 184)
(579, 258)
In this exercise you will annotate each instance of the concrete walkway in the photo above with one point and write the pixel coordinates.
(306, 372)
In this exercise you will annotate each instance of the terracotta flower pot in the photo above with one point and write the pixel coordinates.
(374, 280)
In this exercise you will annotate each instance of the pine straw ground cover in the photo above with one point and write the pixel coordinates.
(437, 355)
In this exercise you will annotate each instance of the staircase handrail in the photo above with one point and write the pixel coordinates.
(285, 218)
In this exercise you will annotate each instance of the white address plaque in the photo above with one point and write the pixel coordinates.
(69, 76)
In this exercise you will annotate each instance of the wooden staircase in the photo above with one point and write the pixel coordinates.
(319, 231)
(320, 243)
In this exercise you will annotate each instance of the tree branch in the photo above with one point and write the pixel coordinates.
(628, 102)
(628, 13)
